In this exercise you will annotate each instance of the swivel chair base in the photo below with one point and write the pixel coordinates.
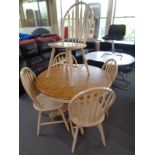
(121, 82)
(113, 51)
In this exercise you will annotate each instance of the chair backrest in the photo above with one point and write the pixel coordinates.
(61, 59)
(78, 20)
(117, 31)
(111, 68)
(89, 106)
(27, 78)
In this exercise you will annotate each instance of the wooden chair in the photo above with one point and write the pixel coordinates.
(62, 59)
(41, 102)
(87, 109)
(111, 68)
(78, 19)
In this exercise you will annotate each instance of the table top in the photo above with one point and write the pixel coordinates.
(58, 87)
(121, 58)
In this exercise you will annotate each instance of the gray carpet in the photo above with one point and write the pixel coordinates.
(56, 140)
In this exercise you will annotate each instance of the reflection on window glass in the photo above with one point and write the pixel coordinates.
(33, 13)
(102, 16)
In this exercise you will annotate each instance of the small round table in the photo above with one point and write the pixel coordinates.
(102, 56)
(58, 87)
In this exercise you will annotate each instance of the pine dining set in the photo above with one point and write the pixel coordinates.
(81, 90)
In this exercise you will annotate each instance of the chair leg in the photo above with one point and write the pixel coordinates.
(51, 116)
(75, 138)
(82, 131)
(123, 77)
(64, 119)
(126, 77)
(85, 61)
(39, 121)
(107, 113)
(100, 128)
(71, 126)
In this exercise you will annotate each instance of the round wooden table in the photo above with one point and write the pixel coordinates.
(57, 85)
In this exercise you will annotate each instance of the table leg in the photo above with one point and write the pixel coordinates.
(50, 63)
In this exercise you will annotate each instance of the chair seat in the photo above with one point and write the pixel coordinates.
(69, 45)
(47, 103)
(90, 123)
(113, 37)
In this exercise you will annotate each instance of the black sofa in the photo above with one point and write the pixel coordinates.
(35, 54)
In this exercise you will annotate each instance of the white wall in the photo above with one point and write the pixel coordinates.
(28, 30)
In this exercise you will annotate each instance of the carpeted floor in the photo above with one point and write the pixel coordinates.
(56, 140)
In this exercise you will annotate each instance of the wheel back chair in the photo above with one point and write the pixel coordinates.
(111, 68)
(78, 19)
(41, 102)
(88, 108)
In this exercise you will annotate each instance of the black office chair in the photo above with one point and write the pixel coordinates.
(115, 32)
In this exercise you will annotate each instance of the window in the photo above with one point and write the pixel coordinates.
(125, 14)
(33, 13)
(110, 12)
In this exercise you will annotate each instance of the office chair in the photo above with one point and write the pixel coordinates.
(115, 32)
